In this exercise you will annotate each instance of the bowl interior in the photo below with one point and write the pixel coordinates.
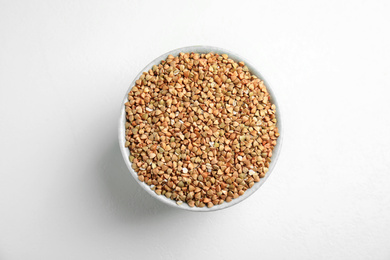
(122, 130)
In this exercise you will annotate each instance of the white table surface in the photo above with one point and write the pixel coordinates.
(65, 192)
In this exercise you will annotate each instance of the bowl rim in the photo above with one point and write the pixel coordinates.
(122, 128)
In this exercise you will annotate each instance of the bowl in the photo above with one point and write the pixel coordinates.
(122, 130)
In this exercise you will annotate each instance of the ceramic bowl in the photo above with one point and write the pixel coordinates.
(125, 151)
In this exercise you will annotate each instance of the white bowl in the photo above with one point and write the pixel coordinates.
(122, 130)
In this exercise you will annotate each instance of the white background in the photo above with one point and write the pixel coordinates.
(65, 192)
